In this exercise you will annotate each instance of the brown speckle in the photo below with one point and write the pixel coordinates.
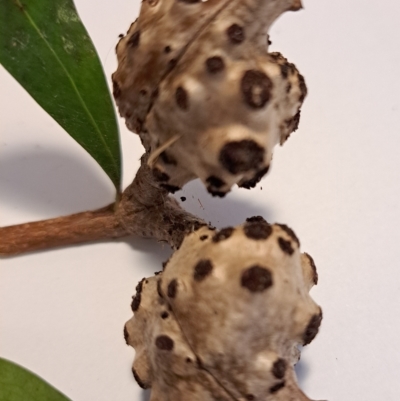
(159, 292)
(170, 188)
(303, 88)
(256, 88)
(164, 315)
(135, 302)
(257, 230)
(137, 298)
(255, 180)
(275, 56)
(197, 225)
(215, 64)
(215, 181)
(223, 234)
(164, 343)
(235, 34)
(202, 269)
(277, 387)
(138, 125)
(126, 335)
(293, 123)
(286, 246)
(256, 278)
(171, 64)
(181, 98)
(292, 68)
(203, 237)
(289, 232)
(255, 219)
(167, 158)
(139, 381)
(313, 267)
(279, 368)
(167, 49)
(284, 70)
(159, 175)
(312, 328)
(139, 286)
(241, 156)
(116, 89)
(172, 288)
(134, 40)
(250, 397)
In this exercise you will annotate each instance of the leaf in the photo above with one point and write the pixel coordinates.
(18, 384)
(46, 48)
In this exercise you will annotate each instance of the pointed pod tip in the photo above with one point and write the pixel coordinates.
(296, 5)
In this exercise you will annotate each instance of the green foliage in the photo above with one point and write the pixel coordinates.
(45, 47)
(18, 384)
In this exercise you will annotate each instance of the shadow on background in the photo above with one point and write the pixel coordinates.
(302, 371)
(154, 253)
(52, 182)
(56, 183)
(231, 210)
(146, 395)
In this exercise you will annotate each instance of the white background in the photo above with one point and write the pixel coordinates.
(336, 182)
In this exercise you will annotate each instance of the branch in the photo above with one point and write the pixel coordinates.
(66, 230)
(145, 210)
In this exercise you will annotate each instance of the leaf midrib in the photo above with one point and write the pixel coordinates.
(97, 129)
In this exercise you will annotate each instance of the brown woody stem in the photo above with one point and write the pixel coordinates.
(145, 210)
(67, 230)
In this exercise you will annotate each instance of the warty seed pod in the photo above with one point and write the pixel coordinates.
(224, 319)
(196, 82)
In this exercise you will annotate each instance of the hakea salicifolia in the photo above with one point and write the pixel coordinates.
(196, 81)
(224, 318)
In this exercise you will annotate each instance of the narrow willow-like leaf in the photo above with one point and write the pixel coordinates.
(45, 47)
(18, 384)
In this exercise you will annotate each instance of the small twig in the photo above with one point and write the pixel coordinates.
(200, 203)
(66, 230)
(153, 157)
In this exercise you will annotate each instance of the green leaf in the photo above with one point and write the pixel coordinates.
(18, 384)
(45, 47)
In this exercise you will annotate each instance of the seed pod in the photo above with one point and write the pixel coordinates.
(225, 317)
(196, 82)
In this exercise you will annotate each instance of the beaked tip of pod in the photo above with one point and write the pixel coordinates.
(296, 5)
